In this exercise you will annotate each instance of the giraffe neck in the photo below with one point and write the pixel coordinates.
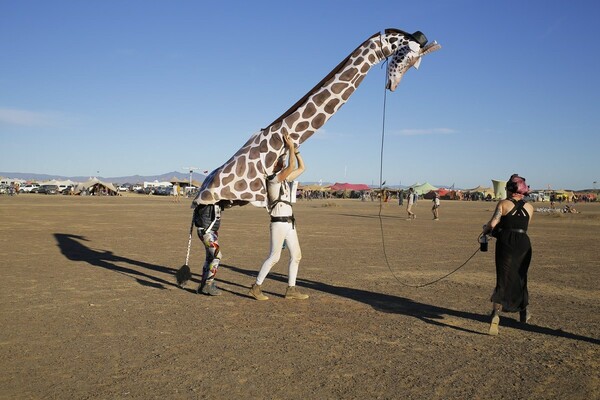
(313, 110)
(242, 176)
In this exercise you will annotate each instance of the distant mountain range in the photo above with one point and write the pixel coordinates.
(132, 179)
(120, 180)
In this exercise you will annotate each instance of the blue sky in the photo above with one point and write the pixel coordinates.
(116, 88)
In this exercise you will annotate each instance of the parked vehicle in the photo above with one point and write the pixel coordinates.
(66, 190)
(48, 189)
(28, 188)
(162, 191)
(536, 196)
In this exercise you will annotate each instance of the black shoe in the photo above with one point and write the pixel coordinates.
(201, 287)
(524, 316)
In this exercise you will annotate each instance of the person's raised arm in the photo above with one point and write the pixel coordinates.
(285, 173)
(298, 171)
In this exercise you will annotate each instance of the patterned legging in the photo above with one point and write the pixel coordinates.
(213, 254)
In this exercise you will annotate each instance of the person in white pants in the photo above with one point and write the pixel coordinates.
(283, 223)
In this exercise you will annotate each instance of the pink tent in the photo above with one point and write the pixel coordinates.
(349, 186)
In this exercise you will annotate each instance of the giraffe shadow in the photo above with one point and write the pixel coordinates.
(73, 247)
(427, 313)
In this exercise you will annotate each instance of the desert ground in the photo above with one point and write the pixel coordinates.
(90, 308)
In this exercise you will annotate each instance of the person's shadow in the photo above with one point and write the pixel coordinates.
(73, 248)
(427, 313)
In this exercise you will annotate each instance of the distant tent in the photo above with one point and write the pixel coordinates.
(349, 186)
(565, 194)
(56, 182)
(314, 188)
(176, 181)
(499, 189)
(444, 194)
(481, 189)
(96, 187)
(424, 188)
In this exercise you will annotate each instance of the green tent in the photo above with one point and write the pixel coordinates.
(424, 188)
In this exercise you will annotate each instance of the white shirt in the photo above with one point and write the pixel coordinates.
(274, 188)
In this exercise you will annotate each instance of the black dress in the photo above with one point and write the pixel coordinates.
(513, 255)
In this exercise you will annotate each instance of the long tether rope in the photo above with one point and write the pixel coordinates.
(381, 205)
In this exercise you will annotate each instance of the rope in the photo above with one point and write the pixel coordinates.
(381, 206)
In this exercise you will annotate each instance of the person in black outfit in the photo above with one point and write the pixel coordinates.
(207, 219)
(509, 225)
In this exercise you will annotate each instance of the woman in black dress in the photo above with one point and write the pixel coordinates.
(513, 252)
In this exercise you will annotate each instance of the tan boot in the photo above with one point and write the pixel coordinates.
(293, 293)
(257, 293)
(494, 324)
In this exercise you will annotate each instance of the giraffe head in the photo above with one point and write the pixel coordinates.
(407, 53)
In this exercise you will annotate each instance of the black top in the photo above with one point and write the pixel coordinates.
(205, 214)
(517, 218)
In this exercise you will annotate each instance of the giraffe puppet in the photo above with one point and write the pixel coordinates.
(242, 177)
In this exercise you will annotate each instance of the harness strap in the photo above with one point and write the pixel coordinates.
(281, 193)
(217, 211)
(519, 209)
(285, 219)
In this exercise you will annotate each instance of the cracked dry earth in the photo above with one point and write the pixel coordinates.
(89, 308)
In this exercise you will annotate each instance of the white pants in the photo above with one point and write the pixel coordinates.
(280, 232)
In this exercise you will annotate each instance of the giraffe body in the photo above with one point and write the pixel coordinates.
(242, 177)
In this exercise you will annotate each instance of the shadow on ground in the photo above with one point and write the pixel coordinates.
(73, 248)
(427, 313)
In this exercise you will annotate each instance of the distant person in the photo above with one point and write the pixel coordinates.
(175, 193)
(509, 225)
(410, 201)
(435, 208)
(401, 198)
(283, 223)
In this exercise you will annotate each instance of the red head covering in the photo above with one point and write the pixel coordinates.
(516, 184)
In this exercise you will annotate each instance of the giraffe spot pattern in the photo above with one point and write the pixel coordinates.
(309, 111)
(305, 136)
(226, 193)
(347, 93)
(228, 179)
(302, 126)
(252, 171)
(276, 142)
(240, 185)
(349, 74)
(320, 98)
(330, 107)
(240, 166)
(256, 184)
(319, 121)
(270, 158)
(337, 88)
